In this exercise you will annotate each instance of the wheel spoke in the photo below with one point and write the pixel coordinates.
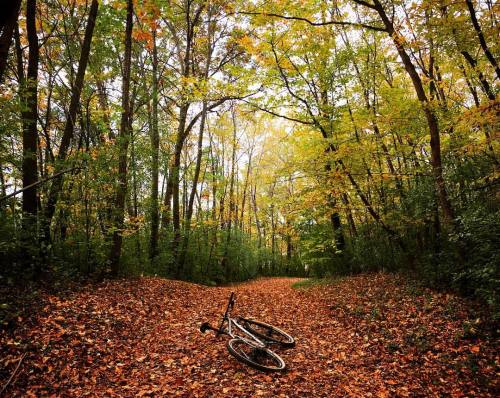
(259, 358)
(269, 333)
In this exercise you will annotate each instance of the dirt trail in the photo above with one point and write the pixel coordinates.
(364, 336)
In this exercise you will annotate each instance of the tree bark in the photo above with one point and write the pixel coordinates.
(481, 38)
(225, 263)
(8, 21)
(485, 86)
(71, 118)
(430, 116)
(29, 116)
(155, 149)
(123, 142)
(190, 205)
(189, 212)
(245, 187)
(175, 182)
(167, 199)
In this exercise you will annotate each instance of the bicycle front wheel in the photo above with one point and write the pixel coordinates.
(268, 333)
(256, 357)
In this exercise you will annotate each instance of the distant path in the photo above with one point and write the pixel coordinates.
(364, 336)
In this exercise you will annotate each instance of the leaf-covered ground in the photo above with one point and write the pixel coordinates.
(373, 336)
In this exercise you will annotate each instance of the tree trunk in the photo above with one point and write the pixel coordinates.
(481, 38)
(189, 211)
(103, 104)
(29, 115)
(199, 154)
(167, 199)
(338, 233)
(370, 208)
(123, 142)
(245, 186)
(485, 86)
(8, 21)
(70, 121)
(155, 149)
(225, 264)
(175, 182)
(430, 116)
(350, 218)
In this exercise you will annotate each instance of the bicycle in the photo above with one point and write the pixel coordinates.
(252, 348)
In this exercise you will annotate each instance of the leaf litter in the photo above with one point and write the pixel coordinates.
(364, 336)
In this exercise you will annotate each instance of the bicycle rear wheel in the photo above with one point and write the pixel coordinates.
(268, 332)
(256, 357)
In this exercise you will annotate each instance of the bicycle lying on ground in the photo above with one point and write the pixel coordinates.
(251, 348)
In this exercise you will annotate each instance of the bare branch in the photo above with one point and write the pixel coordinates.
(13, 374)
(39, 182)
(292, 119)
(313, 23)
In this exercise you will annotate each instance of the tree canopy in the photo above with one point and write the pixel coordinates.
(215, 140)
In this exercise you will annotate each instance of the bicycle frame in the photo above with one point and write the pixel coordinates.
(232, 324)
(242, 338)
(232, 321)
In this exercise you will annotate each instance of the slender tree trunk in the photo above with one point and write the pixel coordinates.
(289, 248)
(30, 116)
(103, 104)
(2, 184)
(350, 218)
(185, 169)
(190, 205)
(481, 38)
(71, 118)
(430, 116)
(167, 199)
(375, 215)
(188, 210)
(155, 150)
(225, 263)
(199, 154)
(470, 86)
(273, 238)
(175, 184)
(245, 186)
(338, 233)
(123, 142)
(259, 228)
(134, 206)
(485, 86)
(372, 110)
(213, 215)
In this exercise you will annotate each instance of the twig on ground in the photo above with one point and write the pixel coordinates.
(13, 374)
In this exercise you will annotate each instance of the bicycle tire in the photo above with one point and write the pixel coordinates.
(264, 363)
(268, 332)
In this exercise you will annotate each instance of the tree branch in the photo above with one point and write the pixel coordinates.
(278, 114)
(210, 107)
(313, 23)
(39, 182)
(13, 374)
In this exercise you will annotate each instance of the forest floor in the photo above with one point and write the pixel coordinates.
(367, 336)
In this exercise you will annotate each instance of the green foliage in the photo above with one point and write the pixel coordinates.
(311, 282)
(350, 137)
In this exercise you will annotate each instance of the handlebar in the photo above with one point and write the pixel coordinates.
(206, 326)
(230, 305)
